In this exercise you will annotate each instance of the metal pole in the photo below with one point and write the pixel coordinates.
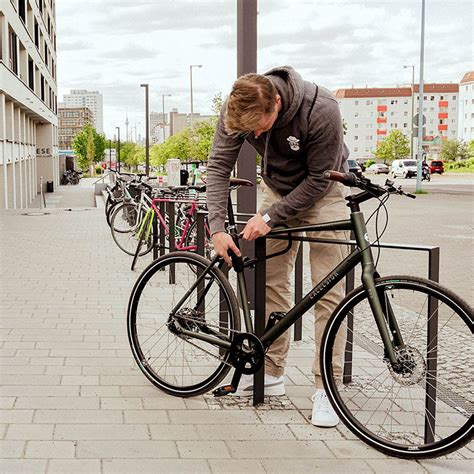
(191, 84)
(412, 108)
(118, 149)
(164, 119)
(110, 154)
(147, 132)
(420, 91)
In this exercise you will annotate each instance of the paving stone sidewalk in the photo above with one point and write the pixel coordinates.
(73, 400)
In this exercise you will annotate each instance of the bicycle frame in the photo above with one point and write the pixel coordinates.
(361, 255)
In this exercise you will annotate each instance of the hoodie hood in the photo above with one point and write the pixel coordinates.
(290, 87)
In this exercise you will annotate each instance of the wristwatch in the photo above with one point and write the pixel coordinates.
(266, 218)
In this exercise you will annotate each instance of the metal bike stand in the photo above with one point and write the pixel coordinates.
(260, 279)
(298, 329)
(162, 232)
(172, 241)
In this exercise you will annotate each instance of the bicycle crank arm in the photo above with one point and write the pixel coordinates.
(232, 388)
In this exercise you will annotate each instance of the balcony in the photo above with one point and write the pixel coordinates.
(382, 120)
(443, 127)
(381, 108)
(443, 103)
(381, 132)
(443, 115)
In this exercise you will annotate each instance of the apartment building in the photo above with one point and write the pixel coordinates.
(371, 113)
(90, 99)
(71, 122)
(466, 107)
(179, 121)
(28, 100)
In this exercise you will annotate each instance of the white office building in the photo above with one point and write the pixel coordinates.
(371, 113)
(28, 100)
(466, 107)
(90, 99)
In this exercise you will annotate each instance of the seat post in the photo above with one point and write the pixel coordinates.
(231, 218)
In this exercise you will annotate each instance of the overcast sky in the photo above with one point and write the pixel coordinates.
(115, 45)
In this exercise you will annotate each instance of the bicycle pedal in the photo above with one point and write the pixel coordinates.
(224, 390)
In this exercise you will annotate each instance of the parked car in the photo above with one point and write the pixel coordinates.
(378, 168)
(404, 168)
(436, 166)
(354, 167)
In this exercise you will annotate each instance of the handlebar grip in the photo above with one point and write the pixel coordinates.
(348, 179)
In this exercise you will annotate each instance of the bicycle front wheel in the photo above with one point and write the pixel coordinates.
(181, 365)
(423, 407)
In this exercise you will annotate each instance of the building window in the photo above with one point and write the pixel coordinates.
(368, 102)
(405, 102)
(432, 97)
(454, 97)
(368, 125)
(368, 137)
(405, 114)
(356, 138)
(392, 114)
(356, 114)
(13, 52)
(431, 109)
(405, 125)
(356, 148)
(441, 97)
(394, 102)
(356, 125)
(356, 102)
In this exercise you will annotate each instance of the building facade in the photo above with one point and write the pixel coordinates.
(90, 99)
(180, 121)
(371, 113)
(28, 100)
(71, 122)
(466, 107)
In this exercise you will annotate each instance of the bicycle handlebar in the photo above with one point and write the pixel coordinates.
(350, 179)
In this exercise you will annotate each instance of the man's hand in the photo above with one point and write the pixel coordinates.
(256, 227)
(222, 243)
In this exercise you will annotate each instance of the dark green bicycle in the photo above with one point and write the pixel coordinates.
(408, 386)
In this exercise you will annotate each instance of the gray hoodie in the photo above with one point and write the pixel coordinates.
(305, 140)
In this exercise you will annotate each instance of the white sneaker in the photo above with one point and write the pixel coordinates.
(274, 386)
(323, 413)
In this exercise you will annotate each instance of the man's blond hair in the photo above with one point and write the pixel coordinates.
(252, 97)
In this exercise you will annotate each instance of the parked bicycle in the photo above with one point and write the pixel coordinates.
(408, 380)
(70, 177)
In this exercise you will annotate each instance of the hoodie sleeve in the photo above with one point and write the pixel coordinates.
(325, 151)
(222, 158)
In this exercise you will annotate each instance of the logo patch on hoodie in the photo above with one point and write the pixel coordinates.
(294, 143)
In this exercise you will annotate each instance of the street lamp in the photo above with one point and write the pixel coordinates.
(412, 105)
(191, 81)
(118, 148)
(147, 132)
(163, 111)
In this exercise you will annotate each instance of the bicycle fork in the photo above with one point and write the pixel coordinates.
(379, 303)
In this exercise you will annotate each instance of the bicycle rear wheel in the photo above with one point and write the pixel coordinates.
(174, 363)
(424, 407)
(125, 224)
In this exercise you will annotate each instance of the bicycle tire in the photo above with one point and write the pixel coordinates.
(141, 240)
(151, 300)
(374, 383)
(126, 236)
(191, 239)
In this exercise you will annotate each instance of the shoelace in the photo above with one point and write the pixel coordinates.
(323, 401)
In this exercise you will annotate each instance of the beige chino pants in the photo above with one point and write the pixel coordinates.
(323, 258)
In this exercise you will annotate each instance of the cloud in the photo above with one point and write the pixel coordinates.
(115, 45)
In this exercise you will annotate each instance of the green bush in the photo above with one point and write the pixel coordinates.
(98, 169)
(369, 163)
(461, 166)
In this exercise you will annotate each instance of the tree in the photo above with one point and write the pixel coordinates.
(89, 146)
(454, 150)
(393, 147)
